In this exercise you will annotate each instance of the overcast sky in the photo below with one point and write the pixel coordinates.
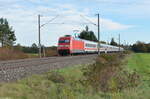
(130, 18)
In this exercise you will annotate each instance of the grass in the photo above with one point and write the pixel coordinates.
(43, 86)
(141, 64)
(32, 55)
(11, 54)
(66, 84)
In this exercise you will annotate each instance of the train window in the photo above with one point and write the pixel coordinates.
(67, 41)
(64, 41)
(90, 45)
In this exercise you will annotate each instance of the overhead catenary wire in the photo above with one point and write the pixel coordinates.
(50, 21)
(73, 23)
(70, 23)
(88, 20)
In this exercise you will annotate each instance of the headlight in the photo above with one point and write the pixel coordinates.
(61, 46)
(64, 46)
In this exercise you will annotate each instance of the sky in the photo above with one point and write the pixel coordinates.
(129, 18)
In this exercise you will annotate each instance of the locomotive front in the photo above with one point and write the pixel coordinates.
(64, 46)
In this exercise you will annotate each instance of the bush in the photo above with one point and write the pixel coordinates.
(55, 77)
(107, 74)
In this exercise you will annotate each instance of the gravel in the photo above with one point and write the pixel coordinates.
(17, 69)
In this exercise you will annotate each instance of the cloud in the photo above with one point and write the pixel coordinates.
(108, 24)
(23, 18)
(126, 8)
(111, 25)
(119, 2)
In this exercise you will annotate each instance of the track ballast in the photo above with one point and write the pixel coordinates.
(17, 69)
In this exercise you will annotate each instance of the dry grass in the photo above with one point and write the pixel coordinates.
(13, 54)
(10, 54)
(51, 52)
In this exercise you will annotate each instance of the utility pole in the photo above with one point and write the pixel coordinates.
(98, 33)
(44, 52)
(39, 31)
(119, 42)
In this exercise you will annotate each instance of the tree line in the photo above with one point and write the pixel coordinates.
(27, 49)
(33, 48)
(141, 47)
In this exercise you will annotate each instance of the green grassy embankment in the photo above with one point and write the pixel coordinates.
(141, 64)
(76, 83)
(58, 84)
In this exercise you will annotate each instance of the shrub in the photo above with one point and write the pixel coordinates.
(55, 77)
(107, 74)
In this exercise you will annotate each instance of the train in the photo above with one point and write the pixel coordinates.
(69, 45)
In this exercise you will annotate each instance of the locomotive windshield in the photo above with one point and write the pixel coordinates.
(64, 41)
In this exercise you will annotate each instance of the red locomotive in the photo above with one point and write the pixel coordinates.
(71, 45)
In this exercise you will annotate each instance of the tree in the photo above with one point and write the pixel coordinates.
(88, 35)
(34, 48)
(18, 47)
(113, 42)
(140, 47)
(7, 35)
(103, 42)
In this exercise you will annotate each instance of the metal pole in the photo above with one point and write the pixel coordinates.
(98, 34)
(119, 42)
(39, 31)
(44, 52)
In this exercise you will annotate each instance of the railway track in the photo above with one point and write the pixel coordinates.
(17, 69)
